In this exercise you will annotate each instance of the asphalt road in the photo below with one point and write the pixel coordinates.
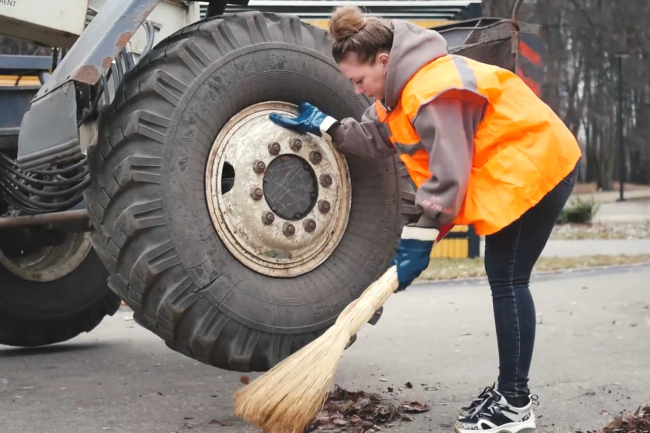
(591, 361)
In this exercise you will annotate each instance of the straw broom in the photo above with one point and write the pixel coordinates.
(290, 395)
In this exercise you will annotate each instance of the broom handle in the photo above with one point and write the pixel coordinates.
(359, 311)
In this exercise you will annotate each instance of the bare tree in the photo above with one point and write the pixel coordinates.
(583, 39)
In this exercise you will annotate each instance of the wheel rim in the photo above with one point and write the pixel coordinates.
(279, 201)
(50, 263)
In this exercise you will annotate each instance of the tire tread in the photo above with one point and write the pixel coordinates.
(126, 200)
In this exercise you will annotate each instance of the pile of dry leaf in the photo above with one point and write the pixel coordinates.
(638, 422)
(361, 412)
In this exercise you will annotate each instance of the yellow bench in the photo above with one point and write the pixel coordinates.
(460, 243)
(14, 80)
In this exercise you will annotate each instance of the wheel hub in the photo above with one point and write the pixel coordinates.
(290, 187)
(50, 263)
(305, 185)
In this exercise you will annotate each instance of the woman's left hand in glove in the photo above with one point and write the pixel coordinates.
(310, 119)
(414, 252)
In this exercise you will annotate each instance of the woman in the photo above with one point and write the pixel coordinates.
(482, 149)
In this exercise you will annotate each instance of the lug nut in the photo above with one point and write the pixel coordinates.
(268, 218)
(274, 148)
(259, 167)
(325, 180)
(323, 206)
(309, 225)
(257, 193)
(296, 144)
(315, 157)
(288, 229)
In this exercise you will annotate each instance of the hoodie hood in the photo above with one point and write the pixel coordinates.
(413, 47)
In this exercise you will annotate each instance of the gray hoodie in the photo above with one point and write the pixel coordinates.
(446, 126)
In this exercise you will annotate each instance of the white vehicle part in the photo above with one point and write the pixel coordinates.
(52, 23)
(167, 18)
(59, 23)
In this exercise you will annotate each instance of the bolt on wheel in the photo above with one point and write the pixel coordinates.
(279, 201)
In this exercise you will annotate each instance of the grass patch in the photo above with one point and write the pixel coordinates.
(454, 269)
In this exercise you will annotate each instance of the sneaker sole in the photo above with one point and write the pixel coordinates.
(528, 427)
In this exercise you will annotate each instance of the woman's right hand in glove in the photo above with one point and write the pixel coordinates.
(310, 119)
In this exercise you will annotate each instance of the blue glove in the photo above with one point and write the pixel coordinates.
(413, 253)
(310, 119)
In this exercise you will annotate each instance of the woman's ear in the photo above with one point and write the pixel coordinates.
(382, 58)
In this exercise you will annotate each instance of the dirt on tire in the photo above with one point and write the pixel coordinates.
(148, 203)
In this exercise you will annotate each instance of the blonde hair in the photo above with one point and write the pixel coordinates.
(354, 32)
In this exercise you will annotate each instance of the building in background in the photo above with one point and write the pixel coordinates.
(425, 13)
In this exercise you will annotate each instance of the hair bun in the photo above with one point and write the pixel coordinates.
(346, 21)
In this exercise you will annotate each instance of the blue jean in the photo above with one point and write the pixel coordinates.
(510, 255)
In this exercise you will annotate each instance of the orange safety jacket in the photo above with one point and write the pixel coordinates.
(522, 150)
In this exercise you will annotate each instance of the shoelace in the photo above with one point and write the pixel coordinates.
(486, 403)
(482, 396)
(492, 405)
(478, 400)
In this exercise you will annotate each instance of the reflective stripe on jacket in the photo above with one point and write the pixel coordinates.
(522, 149)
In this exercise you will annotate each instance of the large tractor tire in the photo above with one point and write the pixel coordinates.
(52, 294)
(237, 241)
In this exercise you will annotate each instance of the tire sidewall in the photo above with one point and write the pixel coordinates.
(62, 297)
(273, 71)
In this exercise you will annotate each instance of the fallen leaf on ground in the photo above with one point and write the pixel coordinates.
(616, 423)
(222, 423)
(430, 387)
(413, 407)
(361, 412)
(638, 422)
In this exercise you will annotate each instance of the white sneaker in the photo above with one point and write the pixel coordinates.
(496, 415)
(466, 411)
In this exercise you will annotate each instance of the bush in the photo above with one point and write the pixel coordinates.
(578, 211)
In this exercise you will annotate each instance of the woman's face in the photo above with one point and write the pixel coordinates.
(367, 78)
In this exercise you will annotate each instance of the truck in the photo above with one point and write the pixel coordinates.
(139, 166)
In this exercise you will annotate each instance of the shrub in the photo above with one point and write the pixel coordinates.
(579, 211)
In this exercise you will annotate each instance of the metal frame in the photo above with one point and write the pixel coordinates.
(85, 64)
(22, 65)
(100, 43)
(79, 217)
(49, 131)
(15, 100)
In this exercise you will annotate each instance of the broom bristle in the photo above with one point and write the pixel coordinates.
(290, 395)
